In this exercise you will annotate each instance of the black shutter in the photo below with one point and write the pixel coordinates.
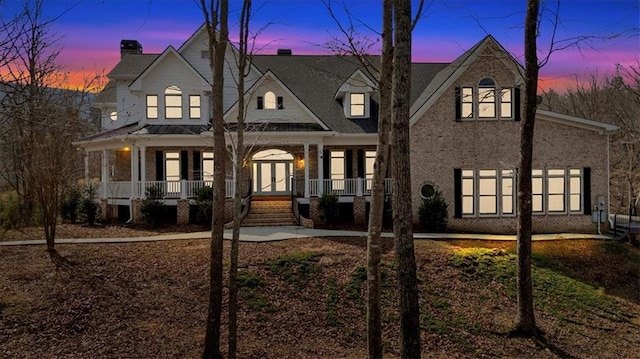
(516, 103)
(159, 166)
(280, 103)
(184, 165)
(197, 175)
(348, 163)
(586, 185)
(458, 104)
(457, 192)
(326, 161)
(361, 164)
(259, 105)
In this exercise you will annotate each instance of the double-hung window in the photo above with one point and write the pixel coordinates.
(207, 168)
(194, 106)
(152, 106)
(487, 98)
(487, 192)
(173, 102)
(556, 190)
(357, 104)
(337, 168)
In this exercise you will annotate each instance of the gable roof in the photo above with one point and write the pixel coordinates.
(452, 72)
(135, 84)
(270, 75)
(600, 127)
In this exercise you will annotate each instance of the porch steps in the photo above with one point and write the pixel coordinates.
(267, 212)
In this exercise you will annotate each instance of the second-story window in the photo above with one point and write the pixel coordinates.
(357, 104)
(152, 106)
(173, 102)
(487, 98)
(194, 106)
(269, 100)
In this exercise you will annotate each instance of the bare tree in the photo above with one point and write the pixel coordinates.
(243, 62)
(525, 323)
(400, 165)
(216, 13)
(39, 120)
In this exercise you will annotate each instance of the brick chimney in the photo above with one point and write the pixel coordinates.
(130, 47)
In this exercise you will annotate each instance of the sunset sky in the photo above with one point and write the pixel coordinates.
(91, 30)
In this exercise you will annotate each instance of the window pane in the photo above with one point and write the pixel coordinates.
(555, 172)
(152, 100)
(270, 100)
(194, 112)
(173, 100)
(370, 159)
(487, 205)
(194, 100)
(556, 185)
(505, 109)
(173, 112)
(467, 186)
(487, 187)
(152, 112)
(536, 184)
(556, 203)
(467, 205)
(507, 204)
(537, 203)
(575, 202)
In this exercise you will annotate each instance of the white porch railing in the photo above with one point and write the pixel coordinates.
(345, 187)
(168, 189)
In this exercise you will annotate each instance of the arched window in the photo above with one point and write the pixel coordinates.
(487, 98)
(173, 102)
(270, 100)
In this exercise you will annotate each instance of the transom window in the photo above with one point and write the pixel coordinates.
(173, 102)
(152, 106)
(357, 104)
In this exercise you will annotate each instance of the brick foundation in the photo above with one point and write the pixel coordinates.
(183, 211)
(314, 210)
(359, 210)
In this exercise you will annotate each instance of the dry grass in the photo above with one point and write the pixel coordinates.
(304, 299)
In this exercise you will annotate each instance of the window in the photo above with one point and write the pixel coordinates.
(575, 190)
(369, 163)
(194, 106)
(173, 102)
(556, 190)
(207, 167)
(537, 193)
(270, 100)
(172, 171)
(337, 168)
(468, 192)
(467, 102)
(487, 98)
(507, 188)
(357, 104)
(487, 192)
(506, 103)
(152, 106)
(427, 191)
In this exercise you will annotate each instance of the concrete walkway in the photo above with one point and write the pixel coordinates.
(269, 234)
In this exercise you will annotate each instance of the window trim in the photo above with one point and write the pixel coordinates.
(150, 107)
(193, 108)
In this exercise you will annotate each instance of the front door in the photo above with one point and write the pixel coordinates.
(272, 172)
(272, 178)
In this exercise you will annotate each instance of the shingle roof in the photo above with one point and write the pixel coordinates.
(315, 80)
(132, 65)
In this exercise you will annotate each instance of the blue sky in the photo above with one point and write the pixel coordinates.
(91, 30)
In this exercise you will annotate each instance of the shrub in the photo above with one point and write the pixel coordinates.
(328, 207)
(152, 208)
(434, 213)
(10, 210)
(204, 205)
(88, 206)
(70, 204)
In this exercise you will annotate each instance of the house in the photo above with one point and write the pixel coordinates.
(312, 123)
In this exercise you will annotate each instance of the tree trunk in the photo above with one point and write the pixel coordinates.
(525, 319)
(239, 179)
(374, 329)
(402, 211)
(217, 47)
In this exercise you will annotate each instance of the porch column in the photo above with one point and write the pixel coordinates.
(104, 173)
(134, 169)
(320, 169)
(86, 166)
(143, 171)
(306, 170)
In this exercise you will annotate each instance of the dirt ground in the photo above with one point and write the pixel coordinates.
(149, 300)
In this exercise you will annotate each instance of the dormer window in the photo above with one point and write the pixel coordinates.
(173, 102)
(270, 101)
(357, 104)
